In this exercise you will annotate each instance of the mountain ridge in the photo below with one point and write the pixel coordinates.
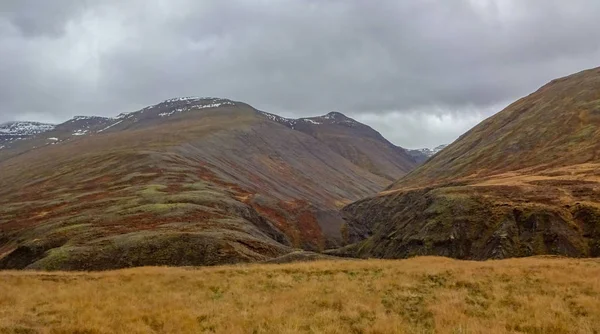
(395, 159)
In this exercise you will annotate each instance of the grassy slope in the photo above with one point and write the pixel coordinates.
(558, 125)
(113, 200)
(523, 182)
(419, 295)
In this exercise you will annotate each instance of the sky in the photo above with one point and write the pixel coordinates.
(421, 72)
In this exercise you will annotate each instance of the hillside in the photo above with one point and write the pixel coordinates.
(419, 295)
(523, 182)
(188, 181)
(356, 142)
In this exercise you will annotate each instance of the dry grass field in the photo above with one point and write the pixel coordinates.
(418, 295)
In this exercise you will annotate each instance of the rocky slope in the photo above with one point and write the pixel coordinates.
(188, 181)
(355, 141)
(523, 182)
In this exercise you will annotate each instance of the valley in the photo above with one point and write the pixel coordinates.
(207, 181)
(322, 167)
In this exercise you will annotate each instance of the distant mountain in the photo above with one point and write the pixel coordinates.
(188, 181)
(523, 182)
(422, 154)
(24, 128)
(429, 152)
(355, 141)
(23, 136)
(14, 131)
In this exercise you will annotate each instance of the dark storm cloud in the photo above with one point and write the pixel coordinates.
(421, 72)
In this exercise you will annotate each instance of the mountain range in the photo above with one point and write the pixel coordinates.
(205, 181)
(188, 181)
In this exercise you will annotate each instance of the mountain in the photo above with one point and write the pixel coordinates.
(355, 141)
(34, 135)
(188, 181)
(523, 182)
(429, 152)
(15, 131)
(422, 154)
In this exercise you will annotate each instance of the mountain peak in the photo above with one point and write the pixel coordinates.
(24, 128)
(335, 115)
(194, 100)
(177, 105)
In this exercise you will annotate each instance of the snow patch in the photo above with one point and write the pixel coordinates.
(110, 126)
(310, 121)
(213, 105)
(79, 118)
(80, 132)
(189, 108)
(167, 114)
(185, 98)
(124, 115)
(25, 128)
(282, 120)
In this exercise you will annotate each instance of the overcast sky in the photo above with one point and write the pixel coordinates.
(421, 72)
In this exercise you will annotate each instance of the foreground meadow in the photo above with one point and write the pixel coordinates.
(418, 295)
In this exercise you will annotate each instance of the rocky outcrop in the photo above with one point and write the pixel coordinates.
(453, 222)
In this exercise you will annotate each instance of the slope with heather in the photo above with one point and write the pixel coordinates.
(189, 181)
(356, 142)
(523, 182)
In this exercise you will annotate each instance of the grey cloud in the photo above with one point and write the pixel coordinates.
(408, 62)
(39, 17)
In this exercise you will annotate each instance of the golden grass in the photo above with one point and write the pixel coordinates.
(419, 295)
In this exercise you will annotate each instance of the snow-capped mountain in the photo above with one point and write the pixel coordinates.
(422, 154)
(82, 125)
(333, 117)
(47, 134)
(431, 151)
(16, 131)
(169, 108)
(24, 129)
(180, 104)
